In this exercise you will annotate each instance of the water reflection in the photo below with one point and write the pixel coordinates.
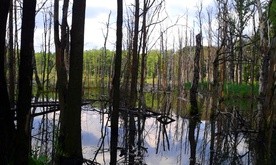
(228, 137)
(193, 121)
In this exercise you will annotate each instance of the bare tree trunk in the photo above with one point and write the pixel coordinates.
(127, 70)
(62, 82)
(50, 65)
(25, 83)
(142, 79)
(243, 10)
(270, 105)
(116, 85)
(38, 82)
(180, 67)
(144, 53)
(264, 54)
(193, 90)
(7, 117)
(134, 78)
(71, 130)
(224, 36)
(240, 55)
(104, 55)
(135, 57)
(11, 58)
(165, 61)
(202, 65)
(16, 44)
(232, 54)
(215, 76)
(264, 156)
(209, 47)
(60, 45)
(268, 111)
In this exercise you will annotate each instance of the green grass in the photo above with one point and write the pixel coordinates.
(240, 90)
(38, 160)
(230, 89)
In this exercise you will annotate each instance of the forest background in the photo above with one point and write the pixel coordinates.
(229, 47)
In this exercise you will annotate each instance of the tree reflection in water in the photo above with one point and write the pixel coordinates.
(225, 136)
(193, 121)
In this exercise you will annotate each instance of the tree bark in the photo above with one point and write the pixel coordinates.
(60, 45)
(135, 58)
(62, 81)
(180, 67)
(201, 58)
(116, 85)
(268, 111)
(134, 78)
(264, 156)
(193, 90)
(25, 83)
(270, 105)
(71, 130)
(144, 52)
(6, 120)
(264, 54)
(232, 54)
(11, 58)
(104, 56)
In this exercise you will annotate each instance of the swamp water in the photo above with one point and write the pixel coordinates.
(166, 138)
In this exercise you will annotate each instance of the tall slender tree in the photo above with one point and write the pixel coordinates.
(266, 87)
(25, 82)
(6, 119)
(208, 70)
(201, 60)
(116, 85)
(61, 43)
(11, 58)
(243, 12)
(264, 48)
(135, 57)
(71, 130)
(193, 90)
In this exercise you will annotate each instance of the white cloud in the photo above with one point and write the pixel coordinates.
(95, 29)
(97, 17)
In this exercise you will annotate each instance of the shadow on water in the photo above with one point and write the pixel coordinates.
(163, 134)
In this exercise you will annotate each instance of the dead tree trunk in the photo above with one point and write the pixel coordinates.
(116, 85)
(193, 90)
(180, 67)
(60, 45)
(6, 120)
(71, 122)
(104, 56)
(264, 54)
(25, 83)
(135, 58)
(268, 111)
(11, 58)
